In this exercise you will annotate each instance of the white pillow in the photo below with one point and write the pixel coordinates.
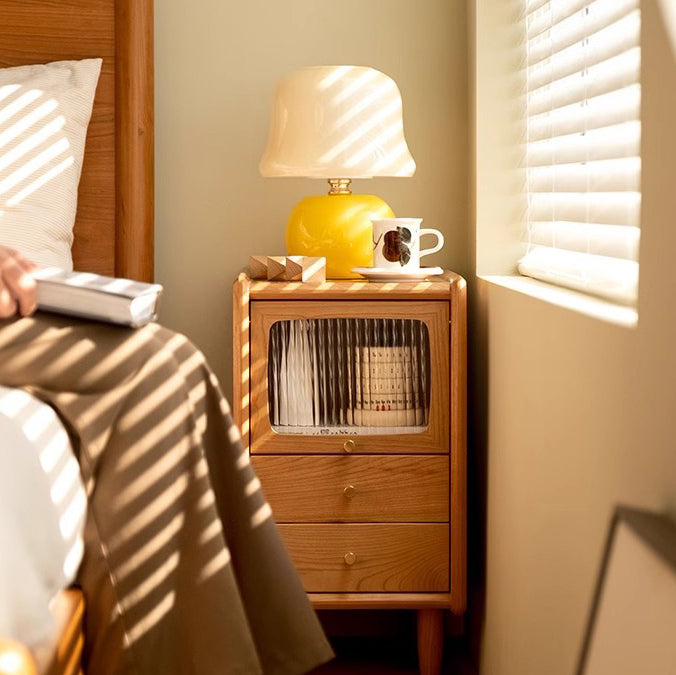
(44, 113)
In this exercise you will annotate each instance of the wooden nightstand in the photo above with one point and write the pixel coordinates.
(351, 400)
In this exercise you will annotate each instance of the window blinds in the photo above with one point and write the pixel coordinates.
(583, 165)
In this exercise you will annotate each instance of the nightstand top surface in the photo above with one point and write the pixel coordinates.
(437, 287)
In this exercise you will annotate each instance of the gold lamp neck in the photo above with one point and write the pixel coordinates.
(340, 186)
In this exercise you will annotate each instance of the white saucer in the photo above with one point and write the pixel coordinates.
(389, 274)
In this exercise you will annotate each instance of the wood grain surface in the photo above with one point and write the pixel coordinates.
(241, 348)
(134, 140)
(430, 641)
(61, 655)
(311, 489)
(380, 600)
(389, 557)
(436, 288)
(114, 224)
(458, 430)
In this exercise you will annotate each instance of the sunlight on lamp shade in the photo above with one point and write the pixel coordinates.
(337, 122)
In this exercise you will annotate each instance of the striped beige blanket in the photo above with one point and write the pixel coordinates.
(184, 571)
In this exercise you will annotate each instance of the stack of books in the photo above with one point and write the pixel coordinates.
(331, 374)
(387, 395)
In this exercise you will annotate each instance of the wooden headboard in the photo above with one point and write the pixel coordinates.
(114, 226)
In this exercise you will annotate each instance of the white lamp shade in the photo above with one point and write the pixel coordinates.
(337, 122)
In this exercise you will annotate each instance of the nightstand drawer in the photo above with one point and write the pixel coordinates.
(369, 557)
(311, 489)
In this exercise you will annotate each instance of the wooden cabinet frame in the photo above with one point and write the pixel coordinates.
(257, 304)
(433, 439)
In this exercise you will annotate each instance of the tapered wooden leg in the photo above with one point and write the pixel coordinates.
(430, 640)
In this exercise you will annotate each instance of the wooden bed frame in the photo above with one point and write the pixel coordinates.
(114, 225)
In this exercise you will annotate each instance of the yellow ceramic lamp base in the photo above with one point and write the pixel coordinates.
(337, 227)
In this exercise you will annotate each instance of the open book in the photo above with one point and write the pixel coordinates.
(91, 296)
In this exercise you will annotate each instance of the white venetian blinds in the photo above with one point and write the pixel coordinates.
(583, 145)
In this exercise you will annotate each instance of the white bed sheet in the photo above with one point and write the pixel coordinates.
(42, 512)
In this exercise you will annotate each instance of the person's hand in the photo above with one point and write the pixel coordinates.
(17, 286)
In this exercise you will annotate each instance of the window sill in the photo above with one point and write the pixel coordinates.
(597, 308)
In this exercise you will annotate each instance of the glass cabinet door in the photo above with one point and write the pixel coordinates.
(370, 376)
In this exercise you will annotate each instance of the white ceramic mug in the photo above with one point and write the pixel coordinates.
(396, 243)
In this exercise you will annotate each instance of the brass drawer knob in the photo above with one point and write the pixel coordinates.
(349, 445)
(350, 491)
(350, 558)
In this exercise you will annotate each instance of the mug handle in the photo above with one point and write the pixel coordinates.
(434, 249)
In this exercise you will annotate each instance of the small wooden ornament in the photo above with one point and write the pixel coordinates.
(308, 269)
(258, 267)
(276, 267)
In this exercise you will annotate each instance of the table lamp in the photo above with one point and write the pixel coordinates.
(337, 123)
